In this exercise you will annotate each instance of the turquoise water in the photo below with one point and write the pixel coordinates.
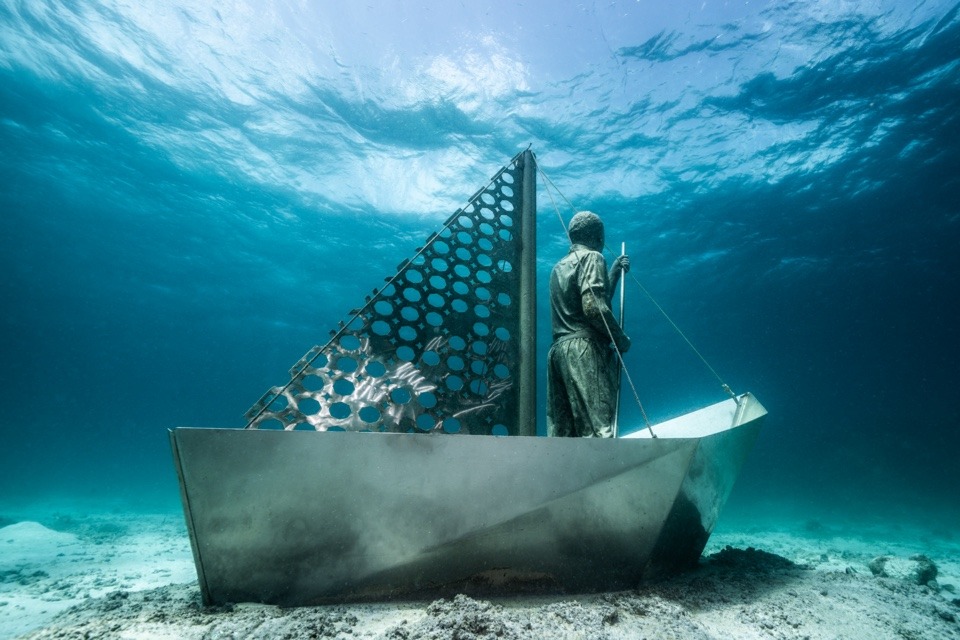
(193, 195)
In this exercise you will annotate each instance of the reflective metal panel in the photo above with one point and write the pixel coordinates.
(303, 517)
(713, 470)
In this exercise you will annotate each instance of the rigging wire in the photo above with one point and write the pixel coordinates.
(550, 184)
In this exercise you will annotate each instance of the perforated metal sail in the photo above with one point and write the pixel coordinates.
(438, 348)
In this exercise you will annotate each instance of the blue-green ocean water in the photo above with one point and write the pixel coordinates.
(192, 194)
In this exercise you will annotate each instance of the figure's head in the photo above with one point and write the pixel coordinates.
(586, 228)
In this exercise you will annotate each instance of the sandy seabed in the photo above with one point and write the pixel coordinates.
(126, 575)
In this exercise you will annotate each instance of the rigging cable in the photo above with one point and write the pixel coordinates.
(549, 183)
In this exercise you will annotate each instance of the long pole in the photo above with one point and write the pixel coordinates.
(527, 418)
(616, 410)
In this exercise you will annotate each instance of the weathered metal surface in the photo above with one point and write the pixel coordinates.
(713, 470)
(440, 347)
(527, 365)
(303, 517)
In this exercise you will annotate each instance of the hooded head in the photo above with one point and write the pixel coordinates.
(586, 228)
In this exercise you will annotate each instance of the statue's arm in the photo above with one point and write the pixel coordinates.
(593, 283)
(600, 317)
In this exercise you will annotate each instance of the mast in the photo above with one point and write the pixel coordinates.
(527, 414)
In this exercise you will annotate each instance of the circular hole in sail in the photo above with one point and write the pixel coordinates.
(465, 222)
(401, 396)
(460, 288)
(464, 238)
(501, 371)
(438, 282)
(350, 343)
(484, 277)
(346, 364)
(412, 295)
(482, 311)
(503, 299)
(383, 307)
(463, 253)
(462, 270)
(479, 347)
(434, 319)
(506, 235)
(406, 354)
(380, 327)
(441, 247)
(431, 358)
(486, 229)
(425, 422)
(309, 407)
(451, 425)
(502, 334)
(485, 244)
(337, 429)
(271, 424)
(375, 369)
(340, 410)
(413, 276)
(304, 426)
(481, 329)
(439, 264)
(504, 266)
(410, 314)
(369, 414)
(458, 343)
(455, 363)
(507, 176)
(479, 367)
(506, 220)
(278, 404)
(506, 205)
(484, 260)
(479, 387)
(506, 190)
(428, 399)
(343, 386)
(487, 198)
(312, 383)
(487, 214)
(454, 383)
(499, 430)
(482, 293)
(435, 300)
(407, 333)
(458, 305)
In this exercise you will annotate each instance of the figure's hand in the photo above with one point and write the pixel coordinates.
(622, 263)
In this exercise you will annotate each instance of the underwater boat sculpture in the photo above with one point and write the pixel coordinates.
(375, 471)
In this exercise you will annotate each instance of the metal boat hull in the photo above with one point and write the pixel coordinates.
(300, 517)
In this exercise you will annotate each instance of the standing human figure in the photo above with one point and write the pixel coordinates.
(582, 368)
